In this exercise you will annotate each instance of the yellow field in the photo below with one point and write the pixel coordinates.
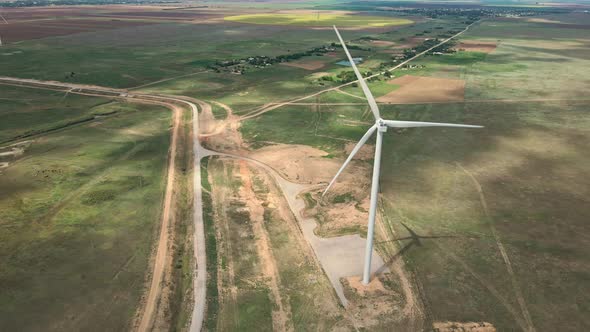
(313, 19)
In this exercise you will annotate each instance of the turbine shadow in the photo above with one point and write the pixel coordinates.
(415, 240)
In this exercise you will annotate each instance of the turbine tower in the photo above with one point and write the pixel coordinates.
(380, 127)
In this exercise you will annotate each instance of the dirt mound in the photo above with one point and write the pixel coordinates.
(374, 287)
(375, 303)
(425, 90)
(463, 327)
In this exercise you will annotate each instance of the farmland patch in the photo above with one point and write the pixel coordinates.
(425, 90)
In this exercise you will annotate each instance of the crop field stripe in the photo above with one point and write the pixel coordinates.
(342, 20)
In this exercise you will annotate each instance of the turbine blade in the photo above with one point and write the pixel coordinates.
(411, 124)
(358, 146)
(366, 91)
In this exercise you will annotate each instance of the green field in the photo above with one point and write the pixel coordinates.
(319, 19)
(78, 213)
(80, 207)
(528, 162)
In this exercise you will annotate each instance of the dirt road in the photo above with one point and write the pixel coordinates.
(154, 292)
(155, 289)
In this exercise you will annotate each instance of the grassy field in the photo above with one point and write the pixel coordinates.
(507, 200)
(323, 127)
(526, 164)
(319, 19)
(124, 57)
(88, 187)
(79, 210)
(28, 112)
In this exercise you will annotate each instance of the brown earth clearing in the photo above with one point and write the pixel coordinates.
(477, 46)
(424, 90)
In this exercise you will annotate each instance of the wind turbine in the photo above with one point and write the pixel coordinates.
(380, 127)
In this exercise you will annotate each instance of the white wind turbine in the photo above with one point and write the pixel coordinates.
(380, 126)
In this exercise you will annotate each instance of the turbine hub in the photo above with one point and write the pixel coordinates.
(381, 125)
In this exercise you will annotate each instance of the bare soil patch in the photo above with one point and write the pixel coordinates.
(542, 20)
(306, 64)
(348, 199)
(382, 43)
(374, 287)
(298, 163)
(477, 46)
(375, 304)
(425, 90)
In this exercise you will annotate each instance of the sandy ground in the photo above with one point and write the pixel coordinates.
(424, 89)
(477, 46)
